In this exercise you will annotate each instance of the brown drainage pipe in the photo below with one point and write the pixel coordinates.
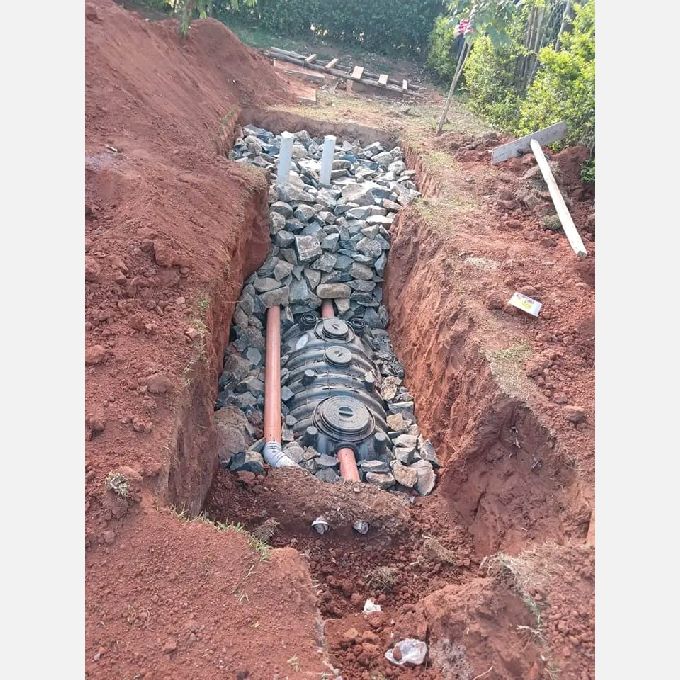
(346, 459)
(348, 465)
(327, 309)
(272, 392)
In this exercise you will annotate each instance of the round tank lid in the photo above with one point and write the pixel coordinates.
(334, 329)
(340, 356)
(344, 418)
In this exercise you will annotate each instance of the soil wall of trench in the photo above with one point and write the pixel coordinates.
(503, 477)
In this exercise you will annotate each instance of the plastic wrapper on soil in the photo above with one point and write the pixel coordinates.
(412, 651)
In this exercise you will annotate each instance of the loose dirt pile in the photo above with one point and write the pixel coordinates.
(171, 226)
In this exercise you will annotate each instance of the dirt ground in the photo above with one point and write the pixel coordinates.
(496, 569)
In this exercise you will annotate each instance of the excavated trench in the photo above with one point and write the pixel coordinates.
(501, 484)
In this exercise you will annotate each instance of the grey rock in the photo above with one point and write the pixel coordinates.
(254, 356)
(263, 285)
(343, 263)
(250, 461)
(406, 476)
(295, 452)
(276, 222)
(343, 306)
(308, 248)
(374, 466)
(299, 292)
(284, 239)
(379, 264)
(294, 226)
(286, 394)
(330, 242)
(289, 255)
(276, 297)
(294, 194)
(304, 213)
(327, 475)
(325, 263)
(359, 213)
(361, 271)
(330, 291)
(362, 286)
(426, 451)
(405, 454)
(384, 158)
(384, 220)
(426, 476)
(326, 461)
(383, 480)
(281, 208)
(369, 247)
(313, 277)
(397, 167)
(282, 269)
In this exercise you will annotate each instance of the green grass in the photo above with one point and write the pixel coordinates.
(257, 544)
(260, 38)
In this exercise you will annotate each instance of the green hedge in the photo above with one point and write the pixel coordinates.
(385, 26)
(564, 88)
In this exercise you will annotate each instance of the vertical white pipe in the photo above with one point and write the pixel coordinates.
(327, 159)
(285, 158)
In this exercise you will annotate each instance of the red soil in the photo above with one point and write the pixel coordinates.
(172, 228)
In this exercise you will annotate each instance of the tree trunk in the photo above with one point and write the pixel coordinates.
(566, 17)
(454, 82)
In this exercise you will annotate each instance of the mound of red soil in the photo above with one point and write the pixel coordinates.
(172, 229)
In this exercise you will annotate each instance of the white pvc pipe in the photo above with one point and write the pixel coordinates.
(560, 206)
(285, 158)
(327, 159)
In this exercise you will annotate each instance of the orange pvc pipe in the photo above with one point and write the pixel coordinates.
(348, 465)
(327, 309)
(272, 377)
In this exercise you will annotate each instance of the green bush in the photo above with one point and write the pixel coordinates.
(564, 88)
(386, 26)
(444, 50)
(489, 77)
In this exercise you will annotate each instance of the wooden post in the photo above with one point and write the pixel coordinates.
(311, 58)
(383, 79)
(454, 82)
(357, 72)
(331, 63)
(560, 206)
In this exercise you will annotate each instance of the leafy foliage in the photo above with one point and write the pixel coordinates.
(444, 47)
(489, 76)
(384, 26)
(564, 88)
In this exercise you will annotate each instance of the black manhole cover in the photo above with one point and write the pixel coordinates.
(333, 329)
(340, 356)
(344, 418)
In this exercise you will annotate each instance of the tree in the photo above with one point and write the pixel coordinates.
(187, 10)
(564, 88)
(476, 18)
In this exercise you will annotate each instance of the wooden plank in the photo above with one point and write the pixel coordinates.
(334, 72)
(560, 206)
(331, 63)
(311, 58)
(383, 79)
(357, 73)
(404, 85)
(523, 144)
